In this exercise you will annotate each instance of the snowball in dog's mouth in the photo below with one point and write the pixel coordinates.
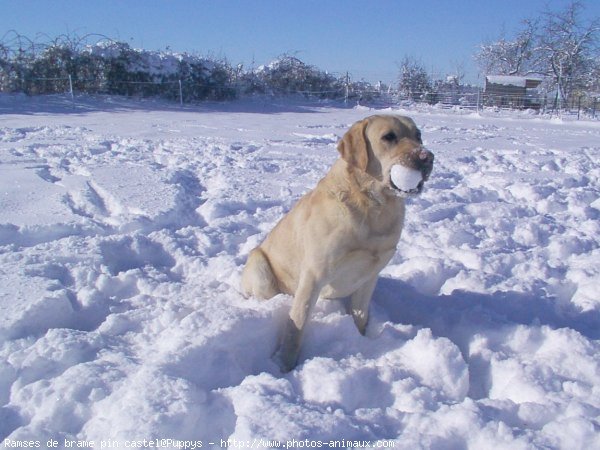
(406, 180)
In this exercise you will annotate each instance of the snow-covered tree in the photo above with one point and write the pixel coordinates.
(413, 80)
(567, 47)
(288, 75)
(559, 45)
(509, 57)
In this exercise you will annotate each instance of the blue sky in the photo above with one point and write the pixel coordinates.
(368, 38)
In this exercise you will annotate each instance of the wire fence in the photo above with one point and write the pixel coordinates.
(186, 91)
(181, 90)
(479, 99)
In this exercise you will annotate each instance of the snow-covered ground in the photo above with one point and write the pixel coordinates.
(124, 227)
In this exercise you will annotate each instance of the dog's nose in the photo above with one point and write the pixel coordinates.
(425, 161)
(426, 156)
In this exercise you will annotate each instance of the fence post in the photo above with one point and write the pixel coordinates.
(71, 86)
(347, 87)
(180, 94)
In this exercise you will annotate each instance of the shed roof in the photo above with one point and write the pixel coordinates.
(511, 80)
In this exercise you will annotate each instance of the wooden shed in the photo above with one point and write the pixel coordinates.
(512, 91)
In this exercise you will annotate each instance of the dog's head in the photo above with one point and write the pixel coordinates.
(389, 149)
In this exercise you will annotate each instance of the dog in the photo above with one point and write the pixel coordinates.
(338, 237)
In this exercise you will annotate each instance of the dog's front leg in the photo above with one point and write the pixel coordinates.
(306, 296)
(359, 304)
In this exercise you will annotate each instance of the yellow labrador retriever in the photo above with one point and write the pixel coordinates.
(337, 238)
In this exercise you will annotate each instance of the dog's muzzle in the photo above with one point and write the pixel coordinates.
(410, 179)
(425, 164)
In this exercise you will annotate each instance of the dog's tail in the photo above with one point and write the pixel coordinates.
(258, 279)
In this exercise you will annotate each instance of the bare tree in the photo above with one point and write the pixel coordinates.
(458, 73)
(509, 57)
(567, 47)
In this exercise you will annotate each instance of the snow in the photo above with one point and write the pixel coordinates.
(510, 80)
(124, 227)
(405, 178)
(156, 63)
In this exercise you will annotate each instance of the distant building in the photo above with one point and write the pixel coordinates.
(512, 91)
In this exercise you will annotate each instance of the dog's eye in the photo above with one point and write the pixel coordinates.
(418, 136)
(389, 137)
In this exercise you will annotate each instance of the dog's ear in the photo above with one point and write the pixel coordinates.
(353, 146)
